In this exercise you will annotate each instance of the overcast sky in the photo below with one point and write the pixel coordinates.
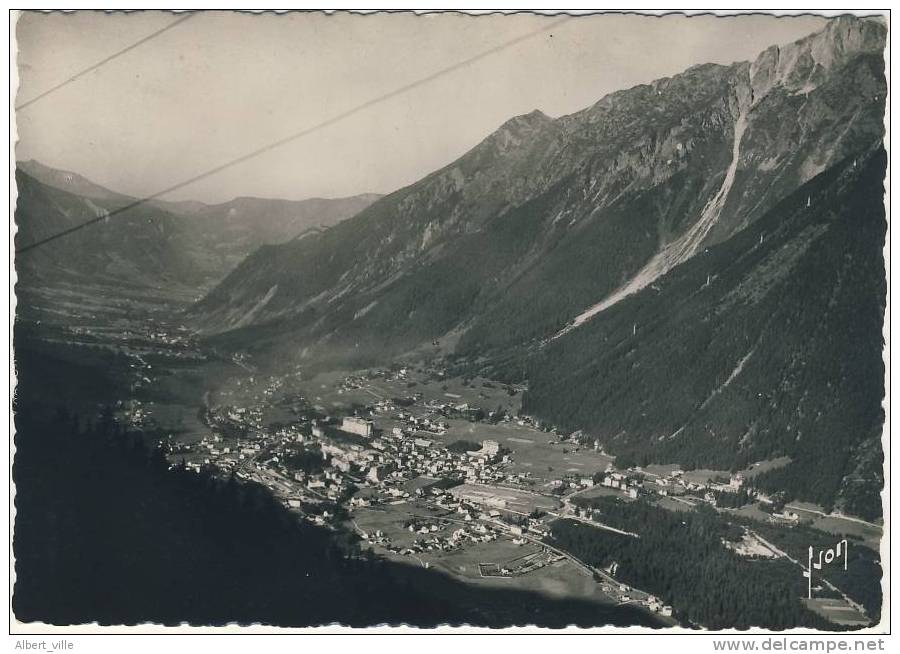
(220, 85)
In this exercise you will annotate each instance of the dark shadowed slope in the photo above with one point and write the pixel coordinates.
(766, 345)
(106, 533)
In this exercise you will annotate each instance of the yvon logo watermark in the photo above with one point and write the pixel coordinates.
(825, 557)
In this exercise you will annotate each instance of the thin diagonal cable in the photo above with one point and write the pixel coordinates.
(105, 61)
(296, 135)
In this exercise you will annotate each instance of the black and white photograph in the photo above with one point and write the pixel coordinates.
(570, 321)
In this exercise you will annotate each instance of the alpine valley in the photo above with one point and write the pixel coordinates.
(689, 271)
(620, 367)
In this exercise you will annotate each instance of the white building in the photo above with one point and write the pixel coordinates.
(358, 426)
(489, 449)
(376, 474)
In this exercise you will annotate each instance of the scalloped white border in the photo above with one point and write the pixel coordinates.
(115, 638)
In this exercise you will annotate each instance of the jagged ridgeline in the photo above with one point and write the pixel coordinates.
(648, 265)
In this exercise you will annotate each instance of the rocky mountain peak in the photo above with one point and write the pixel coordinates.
(803, 65)
(516, 131)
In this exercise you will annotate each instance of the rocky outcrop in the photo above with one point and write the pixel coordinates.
(802, 66)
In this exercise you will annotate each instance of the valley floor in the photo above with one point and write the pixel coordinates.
(442, 473)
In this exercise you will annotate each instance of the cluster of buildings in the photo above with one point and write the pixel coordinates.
(464, 521)
(434, 538)
(634, 482)
(624, 594)
(142, 340)
(403, 454)
(354, 382)
(382, 460)
(622, 482)
(474, 496)
(521, 565)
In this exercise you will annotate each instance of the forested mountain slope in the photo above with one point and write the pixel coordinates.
(766, 345)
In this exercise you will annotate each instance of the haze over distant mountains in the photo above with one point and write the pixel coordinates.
(188, 243)
(688, 270)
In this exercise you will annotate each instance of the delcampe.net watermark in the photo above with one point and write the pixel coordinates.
(786, 644)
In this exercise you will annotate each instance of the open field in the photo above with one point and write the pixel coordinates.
(764, 466)
(661, 470)
(547, 462)
(603, 491)
(324, 389)
(750, 511)
(870, 534)
(674, 504)
(704, 476)
(464, 562)
(557, 580)
(180, 420)
(389, 518)
(531, 448)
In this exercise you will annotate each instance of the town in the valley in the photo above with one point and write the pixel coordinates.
(449, 474)
(422, 465)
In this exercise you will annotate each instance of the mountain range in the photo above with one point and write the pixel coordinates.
(547, 219)
(158, 242)
(688, 271)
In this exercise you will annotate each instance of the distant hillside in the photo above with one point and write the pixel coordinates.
(238, 227)
(71, 182)
(188, 243)
(145, 245)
